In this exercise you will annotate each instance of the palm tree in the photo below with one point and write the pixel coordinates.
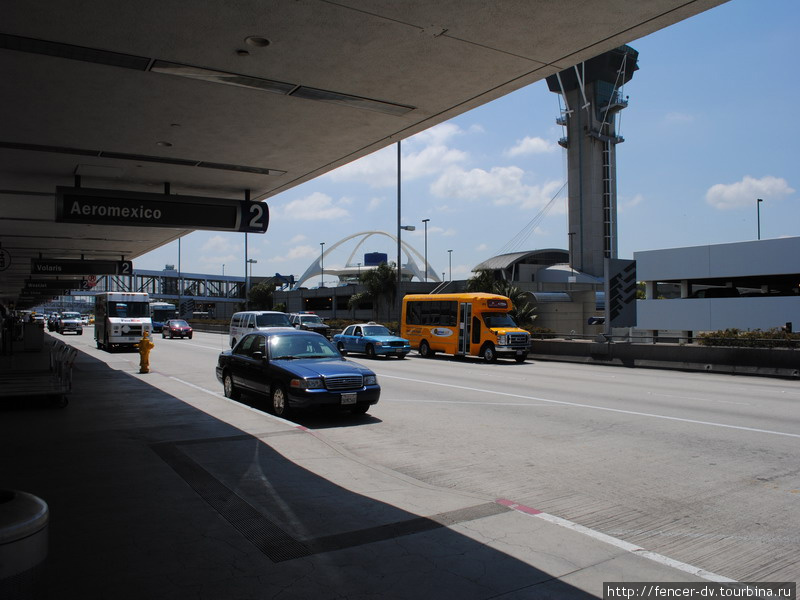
(523, 311)
(380, 286)
(482, 281)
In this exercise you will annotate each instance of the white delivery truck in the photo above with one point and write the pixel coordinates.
(121, 318)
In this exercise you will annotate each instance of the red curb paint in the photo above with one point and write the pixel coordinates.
(519, 507)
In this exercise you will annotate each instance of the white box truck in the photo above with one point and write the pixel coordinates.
(121, 318)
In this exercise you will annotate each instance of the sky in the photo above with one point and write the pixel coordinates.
(712, 125)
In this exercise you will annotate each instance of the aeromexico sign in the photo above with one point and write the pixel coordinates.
(135, 209)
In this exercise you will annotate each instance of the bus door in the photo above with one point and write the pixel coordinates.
(464, 324)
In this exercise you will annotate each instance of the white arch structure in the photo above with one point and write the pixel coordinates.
(315, 268)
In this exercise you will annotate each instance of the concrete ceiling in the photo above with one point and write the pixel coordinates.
(130, 95)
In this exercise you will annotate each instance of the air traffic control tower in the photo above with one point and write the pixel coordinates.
(592, 96)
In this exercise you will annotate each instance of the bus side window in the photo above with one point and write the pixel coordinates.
(476, 330)
(449, 313)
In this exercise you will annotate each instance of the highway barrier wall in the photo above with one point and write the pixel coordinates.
(775, 362)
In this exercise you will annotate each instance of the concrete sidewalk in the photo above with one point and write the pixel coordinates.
(157, 489)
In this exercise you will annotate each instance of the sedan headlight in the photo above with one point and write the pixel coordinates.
(370, 380)
(307, 384)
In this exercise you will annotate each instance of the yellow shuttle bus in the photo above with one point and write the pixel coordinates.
(471, 324)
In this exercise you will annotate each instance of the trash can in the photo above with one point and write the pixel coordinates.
(23, 545)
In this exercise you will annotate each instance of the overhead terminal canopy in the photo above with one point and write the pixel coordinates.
(218, 98)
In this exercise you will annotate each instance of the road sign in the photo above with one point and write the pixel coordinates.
(44, 266)
(136, 209)
(620, 288)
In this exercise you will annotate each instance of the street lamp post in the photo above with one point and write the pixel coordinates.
(250, 261)
(758, 211)
(322, 264)
(450, 260)
(425, 221)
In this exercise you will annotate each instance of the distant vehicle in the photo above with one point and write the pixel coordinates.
(716, 292)
(69, 322)
(371, 339)
(469, 324)
(161, 312)
(121, 318)
(52, 321)
(296, 369)
(176, 328)
(85, 319)
(248, 321)
(310, 322)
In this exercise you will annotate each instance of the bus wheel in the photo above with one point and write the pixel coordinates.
(488, 354)
(425, 350)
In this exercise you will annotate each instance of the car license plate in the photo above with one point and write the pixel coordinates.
(349, 398)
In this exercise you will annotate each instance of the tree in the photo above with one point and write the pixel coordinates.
(261, 296)
(380, 286)
(482, 281)
(523, 311)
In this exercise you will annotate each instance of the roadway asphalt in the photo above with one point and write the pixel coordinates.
(157, 489)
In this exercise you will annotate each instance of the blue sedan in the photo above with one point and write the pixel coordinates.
(296, 369)
(371, 339)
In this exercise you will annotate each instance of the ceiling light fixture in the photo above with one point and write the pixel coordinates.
(257, 41)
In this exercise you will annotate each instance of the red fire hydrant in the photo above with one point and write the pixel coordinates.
(145, 345)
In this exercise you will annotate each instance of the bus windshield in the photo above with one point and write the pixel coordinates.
(128, 309)
(497, 319)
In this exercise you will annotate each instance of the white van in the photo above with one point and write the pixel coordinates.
(248, 321)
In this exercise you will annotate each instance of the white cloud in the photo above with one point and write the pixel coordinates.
(624, 204)
(745, 192)
(374, 203)
(218, 260)
(423, 155)
(316, 207)
(298, 238)
(297, 252)
(531, 145)
(218, 244)
(501, 185)
(436, 136)
(481, 247)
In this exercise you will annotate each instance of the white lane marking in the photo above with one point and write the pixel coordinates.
(464, 402)
(605, 408)
(223, 397)
(618, 543)
(695, 398)
(627, 546)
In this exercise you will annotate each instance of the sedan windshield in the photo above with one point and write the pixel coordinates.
(376, 330)
(493, 319)
(306, 346)
(178, 324)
